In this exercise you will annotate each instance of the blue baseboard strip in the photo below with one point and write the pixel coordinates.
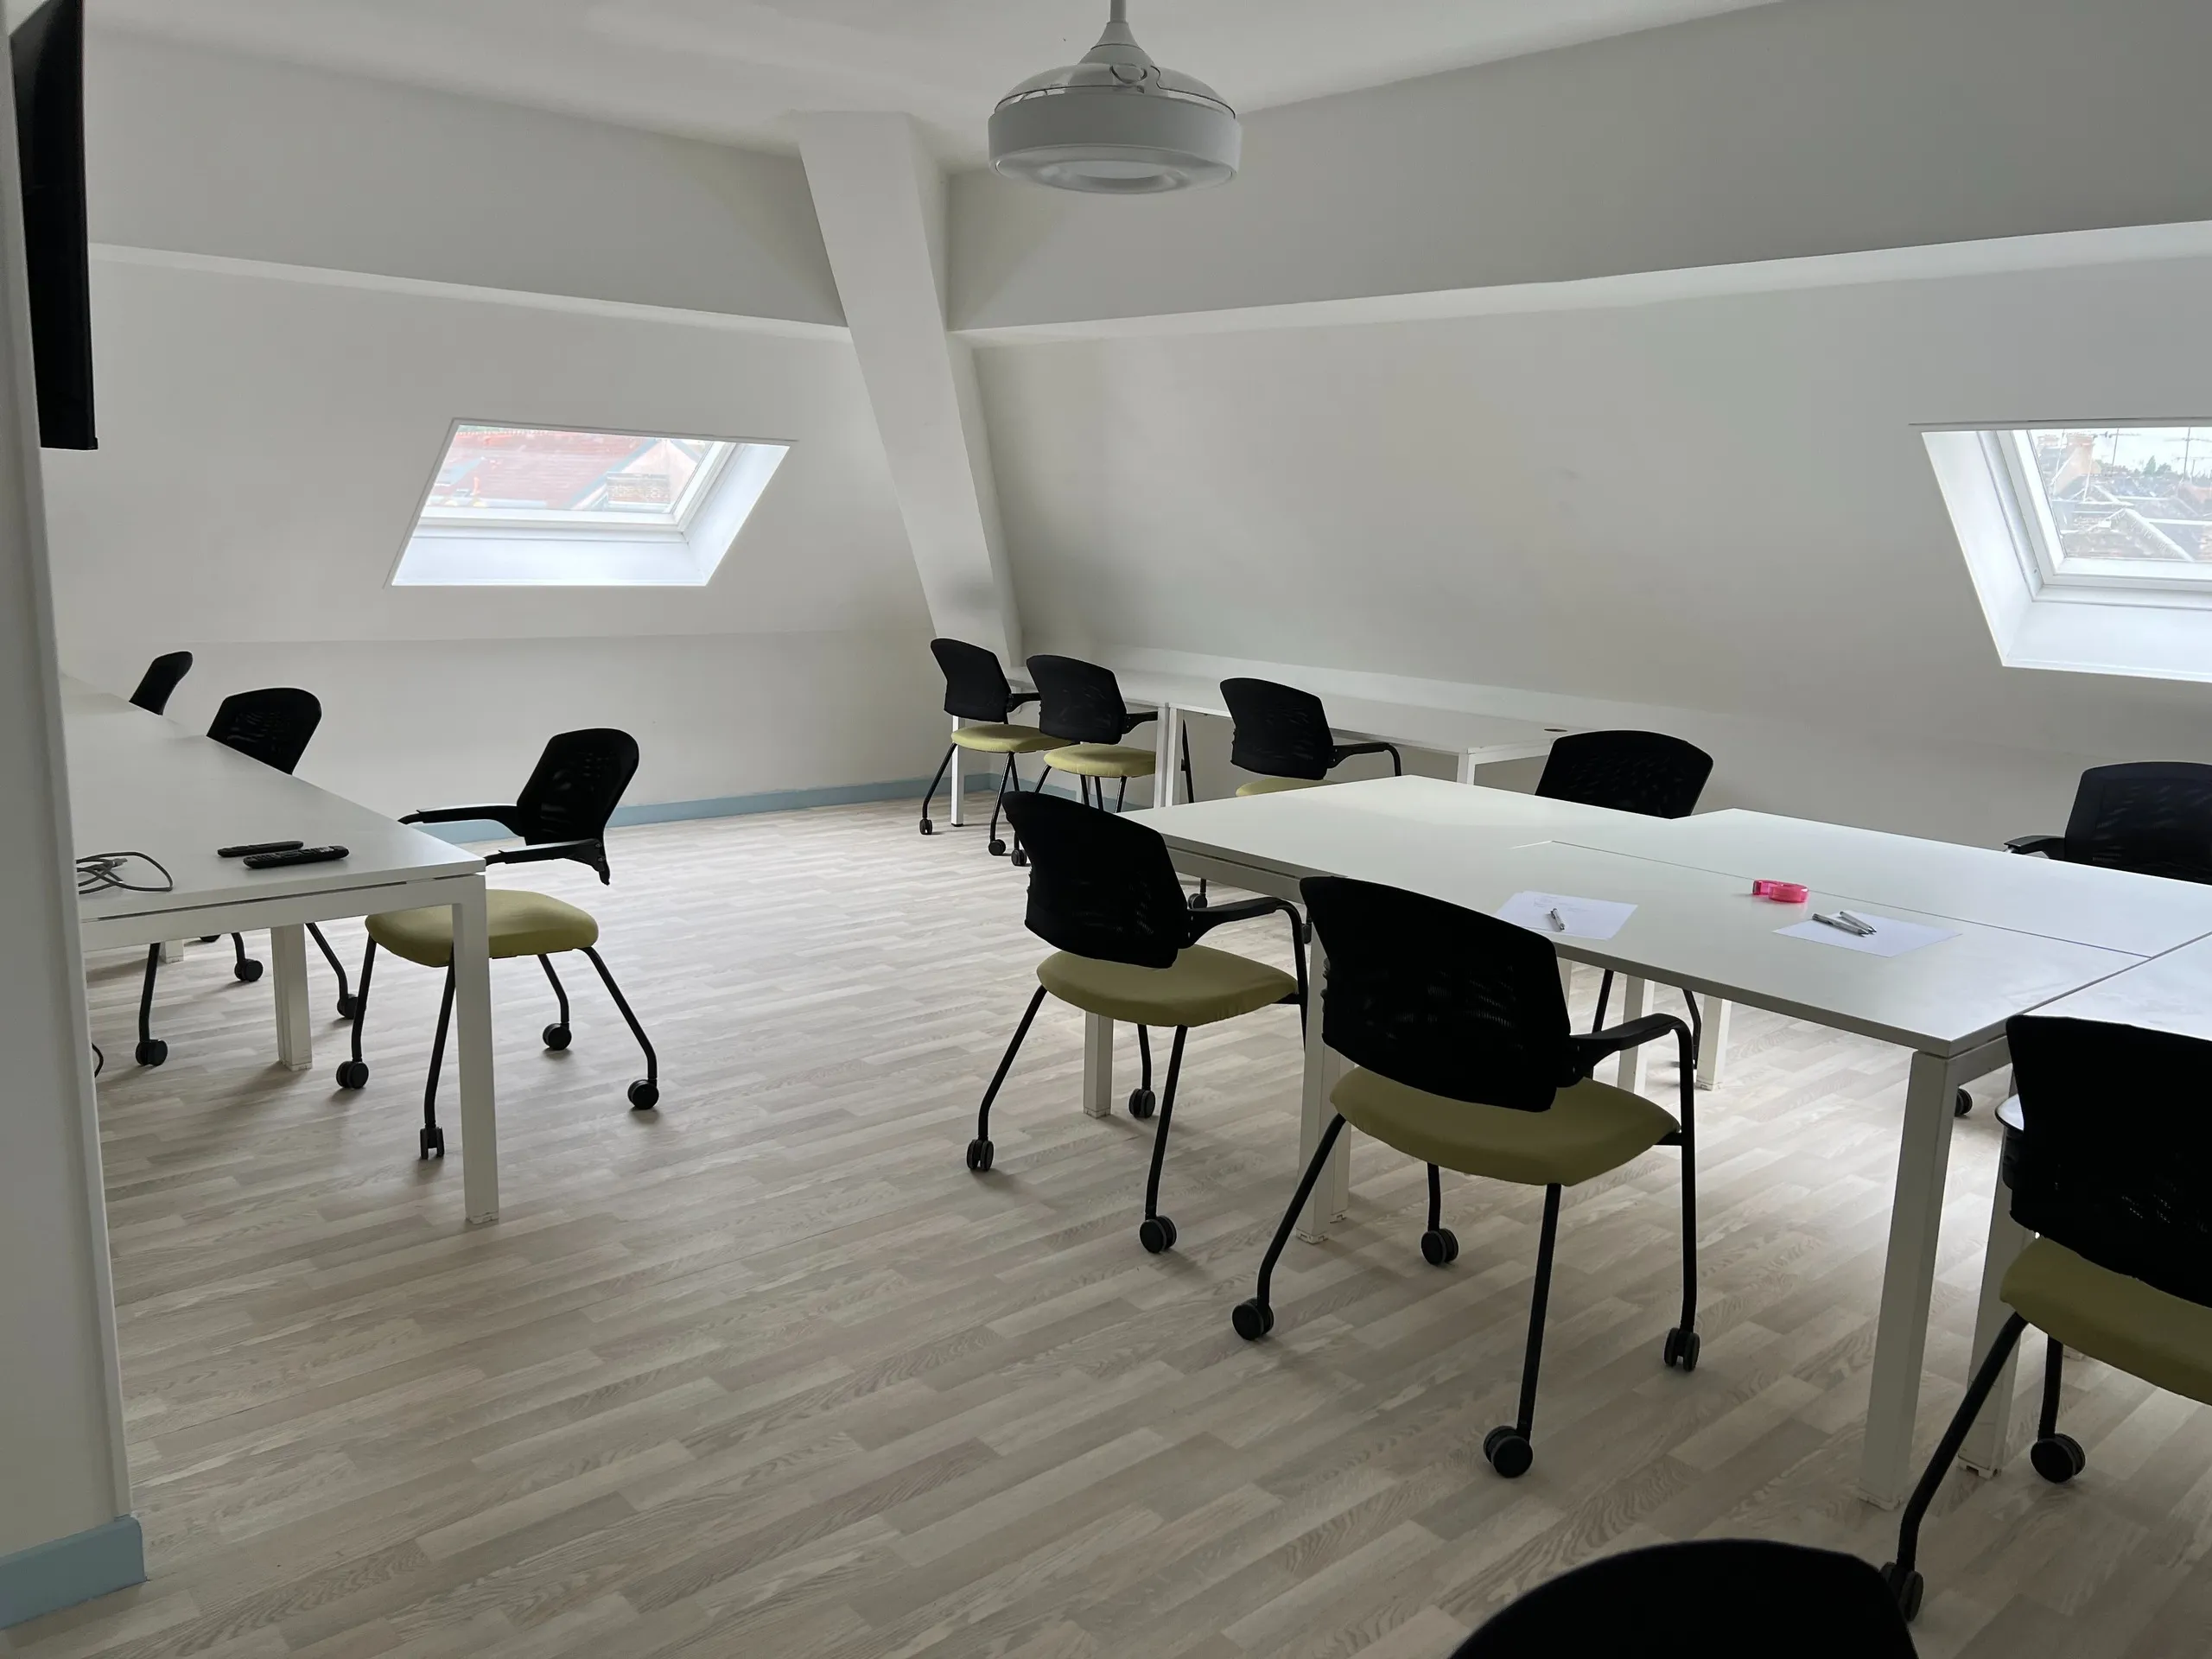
(65, 1570)
(733, 806)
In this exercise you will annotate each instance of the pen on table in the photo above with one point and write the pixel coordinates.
(1844, 922)
(1558, 922)
(1858, 922)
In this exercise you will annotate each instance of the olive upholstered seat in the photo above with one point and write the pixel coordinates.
(2147, 1333)
(1103, 759)
(987, 738)
(1082, 702)
(1589, 1128)
(522, 924)
(1276, 785)
(1203, 988)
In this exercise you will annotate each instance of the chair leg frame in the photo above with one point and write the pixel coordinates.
(1947, 1450)
(345, 991)
(361, 996)
(560, 991)
(1540, 1297)
(237, 944)
(1435, 1198)
(621, 1002)
(146, 996)
(1305, 1183)
(929, 794)
(1166, 1117)
(1144, 1058)
(1006, 1065)
(2054, 1362)
(432, 1136)
(1010, 777)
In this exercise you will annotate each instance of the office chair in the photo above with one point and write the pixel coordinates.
(1282, 733)
(1649, 772)
(1457, 1028)
(271, 725)
(2122, 1269)
(161, 679)
(1103, 892)
(562, 813)
(976, 689)
(1714, 1597)
(1081, 704)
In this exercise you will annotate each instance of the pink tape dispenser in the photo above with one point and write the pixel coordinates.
(1782, 892)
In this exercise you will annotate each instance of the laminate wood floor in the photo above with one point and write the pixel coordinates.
(769, 1372)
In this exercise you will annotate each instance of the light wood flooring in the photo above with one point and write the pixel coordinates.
(770, 1373)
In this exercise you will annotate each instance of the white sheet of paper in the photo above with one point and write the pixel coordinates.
(1890, 938)
(1585, 918)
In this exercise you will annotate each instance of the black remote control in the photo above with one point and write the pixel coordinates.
(253, 847)
(295, 855)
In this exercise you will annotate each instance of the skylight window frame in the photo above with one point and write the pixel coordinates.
(2051, 572)
(587, 524)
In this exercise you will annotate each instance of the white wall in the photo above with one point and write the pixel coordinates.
(1716, 511)
(1779, 132)
(264, 444)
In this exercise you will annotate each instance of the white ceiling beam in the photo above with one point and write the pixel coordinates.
(880, 197)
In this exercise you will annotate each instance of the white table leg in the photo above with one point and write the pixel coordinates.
(1712, 1049)
(288, 952)
(1566, 979)
(1467, 765)
(1325, 1069)
(1097, 1065)
(1989, 1442)
(959, 790)
(480, 1128)
(1908, 1283)
(172, 951)
(1636, 1002)
(1167, 757)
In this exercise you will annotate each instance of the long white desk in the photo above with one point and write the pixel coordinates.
(138, 783)
(1693, 927)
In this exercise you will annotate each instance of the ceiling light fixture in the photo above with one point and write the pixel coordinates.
(1116, 124)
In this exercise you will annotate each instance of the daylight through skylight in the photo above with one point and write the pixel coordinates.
(546, 475)
(2133, 501)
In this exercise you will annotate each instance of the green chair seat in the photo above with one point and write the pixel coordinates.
(522, 925)
(1005, 739)
(1276, 785)
(2164, 1340)
(1204, 986)
(1592, 1127)
(1103, 759)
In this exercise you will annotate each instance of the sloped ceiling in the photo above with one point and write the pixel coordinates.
(1720, 504)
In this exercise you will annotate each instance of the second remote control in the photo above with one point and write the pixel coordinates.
(295, 855)
(253, 847)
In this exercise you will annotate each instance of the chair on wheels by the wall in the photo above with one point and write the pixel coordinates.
(1080, 704)
(1282, 733)
(272, 726)
(976, 690)
(1103, 891)
(2111, 1166)
(561, 812)
(160, 680)
(1457, 1029)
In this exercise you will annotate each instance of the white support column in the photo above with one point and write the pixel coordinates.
(1166, 754)
(1325, 1069)
(880, 197)
(288, 972)
(1097, 1065)
(172, 952)
(1712, 1048)
(480, 1128)
(1989, 1443)
(959, 784)
(1636, 1002)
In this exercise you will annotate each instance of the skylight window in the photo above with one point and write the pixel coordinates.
(552, 506)
(2125, 503)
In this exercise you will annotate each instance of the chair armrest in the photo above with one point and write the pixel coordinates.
(1245, 910)
(501, 815)
(1346, 750)
(2049, 846)
(1589, 1048)
(1130, 722)
(592, 852)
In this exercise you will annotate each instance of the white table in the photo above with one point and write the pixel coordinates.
(2168, 992)
(1693, 927)
(138, 783)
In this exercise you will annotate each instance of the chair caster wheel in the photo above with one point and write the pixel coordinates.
(644, 1094)
(1962, 1104)
(1681, 1348)
(1440, 1249)
(1906, 1587)
(1141, 1100)
(554, 1036)
(152, 1051)
(928, 829)
(1253, 1320)
(1021, 858)
(348, 1006)
(1509, 1454)
(353, 1074)
(2058, 1458)
(248, 971)
(1197, 901)
(1156, 1234)
(979, 1155)
(998, 849)
(433, 1142)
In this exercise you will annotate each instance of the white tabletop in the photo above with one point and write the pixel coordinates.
(2169, 993)
(138, 783)
(1449, 730)
(2142, 915)
(1696, 928)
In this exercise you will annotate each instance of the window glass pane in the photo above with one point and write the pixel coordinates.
(2139, 496)
(539, 474)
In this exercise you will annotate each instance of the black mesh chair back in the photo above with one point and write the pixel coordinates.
(2115, 1160)
(1100, 884)
(975, 685)
(576, 787)
(272, 725)
(160, 679)
(2152, 817)
(1280, 731)
(1716, 1598)
(1631, 772)
(1442, 999)
(1078, 700)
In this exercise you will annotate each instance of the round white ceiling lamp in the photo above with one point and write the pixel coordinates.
(1116, 124)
